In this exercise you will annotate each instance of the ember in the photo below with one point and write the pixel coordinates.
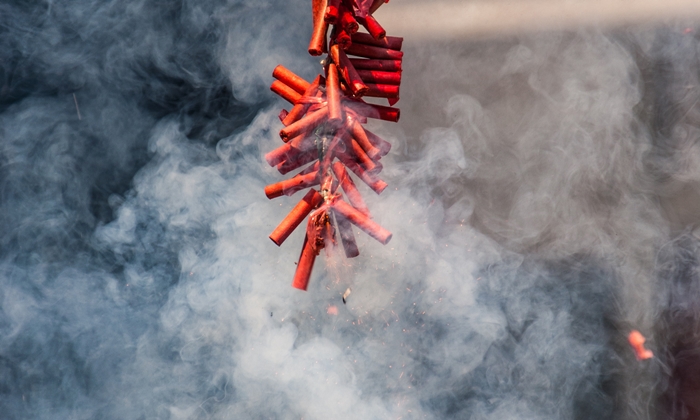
(324, 129)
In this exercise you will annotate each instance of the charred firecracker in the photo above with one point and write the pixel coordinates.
(323, 131)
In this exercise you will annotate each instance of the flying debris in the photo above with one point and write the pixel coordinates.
(346, 294)
(636, 340)
(323, 130)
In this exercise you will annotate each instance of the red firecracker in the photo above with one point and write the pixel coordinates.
(323, 131)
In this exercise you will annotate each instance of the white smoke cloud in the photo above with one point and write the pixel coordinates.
(137, 279)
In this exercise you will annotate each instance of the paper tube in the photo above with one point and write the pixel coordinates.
(290, 79)
(335, 112)
(292, 185)
(359, 155)
(363, 222)
(341, 37)
(317, 44)
(360, 136)
(381, 77)
(346, 236)
(382, 91)
(286, 92)
(380, 65)
(347, 70)
(391, 42)
(369, 51)
(349, 188)
(378, 142)
(347, 21)
(377, 185)
(373, 27)
(376, 4)
(304, 125)
(310, 201)
(332, 12)
(300, 109)
(304, 266)
(380, 112)
(291, 150)
(299, 161)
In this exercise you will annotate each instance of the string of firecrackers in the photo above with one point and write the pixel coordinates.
(324, 131)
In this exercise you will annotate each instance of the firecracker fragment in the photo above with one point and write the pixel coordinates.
(323, 134)
(636, 340)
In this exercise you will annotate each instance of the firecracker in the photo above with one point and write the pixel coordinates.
(323, 132)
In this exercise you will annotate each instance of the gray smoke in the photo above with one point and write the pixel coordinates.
(542, 201)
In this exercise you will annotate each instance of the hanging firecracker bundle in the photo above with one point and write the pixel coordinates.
(323, 130)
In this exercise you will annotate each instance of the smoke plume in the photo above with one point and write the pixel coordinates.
(542, 199)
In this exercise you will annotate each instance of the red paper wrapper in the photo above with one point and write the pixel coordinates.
(292, 185)
(378, 142)
(349, 188)
(382, 91)
(299, 161)
(332, 12)
(304, 125)
(291, 150)
(390, 42)
(360, 136)
(380, 77)
(369, 51)
(335, 111)
(300, 109)
(380, 112)
(376, 4)
(347, 21)
(304, 266)
(347, 71)
(346, 236)
(341, 37)
(317, 44)
(363, 222)
(320, 229)
(380, 65)
(290, 79)
(311, 200)
(286, 92)
(360, 156)
(373, 27)
(377, 185)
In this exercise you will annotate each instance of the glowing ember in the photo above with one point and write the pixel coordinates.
(325, 125)
(637, 340)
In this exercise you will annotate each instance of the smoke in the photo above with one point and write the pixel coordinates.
(541, 200)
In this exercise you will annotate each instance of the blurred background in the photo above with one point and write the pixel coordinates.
(544, 199)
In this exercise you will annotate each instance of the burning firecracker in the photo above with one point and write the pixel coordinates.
(324, 131)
